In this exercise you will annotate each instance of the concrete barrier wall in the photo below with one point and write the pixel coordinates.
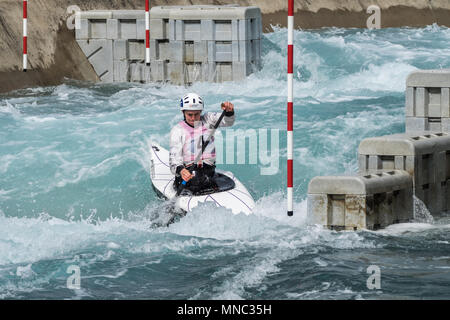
(423, 153)
(427, 105)
(425, 156)
(187, 44)
(204, 43)
(114, 43)
(370, 201)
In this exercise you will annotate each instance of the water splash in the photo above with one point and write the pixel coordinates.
(421, 212)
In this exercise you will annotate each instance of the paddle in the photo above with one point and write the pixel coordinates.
(183, 184)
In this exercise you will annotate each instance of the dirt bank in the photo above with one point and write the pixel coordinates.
(54, 55)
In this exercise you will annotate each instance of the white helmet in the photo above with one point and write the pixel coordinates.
(192, 102)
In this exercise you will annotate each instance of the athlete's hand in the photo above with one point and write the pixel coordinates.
(227, 106)
(186, 175)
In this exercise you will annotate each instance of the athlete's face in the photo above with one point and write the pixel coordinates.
(192, 116)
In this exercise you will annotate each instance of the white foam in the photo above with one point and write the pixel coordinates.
(27, 240)
(25, 272)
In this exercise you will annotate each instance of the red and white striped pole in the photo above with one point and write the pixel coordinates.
(290, 108)
(25, 35)
(147, 32)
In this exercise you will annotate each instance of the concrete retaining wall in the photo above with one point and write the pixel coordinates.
(187, 44)
(114, 43)
(204, 43)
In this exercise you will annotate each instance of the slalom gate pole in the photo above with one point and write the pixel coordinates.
(290, 108)
(147, 32)
(25, 14)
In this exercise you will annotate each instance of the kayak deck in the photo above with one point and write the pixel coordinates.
(237, 198)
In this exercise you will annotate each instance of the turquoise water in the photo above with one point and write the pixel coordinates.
(75, 187)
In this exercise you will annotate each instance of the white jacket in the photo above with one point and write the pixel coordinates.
(186, 142)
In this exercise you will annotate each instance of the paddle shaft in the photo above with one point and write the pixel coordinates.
(205, 144)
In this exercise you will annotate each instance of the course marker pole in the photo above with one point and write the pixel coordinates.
(147, 32)
(25, 59)
(290, 108)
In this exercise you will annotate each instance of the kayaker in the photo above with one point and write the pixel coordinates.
(187, 138)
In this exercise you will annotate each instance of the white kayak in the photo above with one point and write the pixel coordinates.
(230, 194)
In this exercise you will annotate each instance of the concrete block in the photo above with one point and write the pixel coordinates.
(375, 162)
(127, 29)
(193, 73)
(363, 162)
(176, 73)
(223, 52)
(412, 143)
(440, 193)
(128, 14)
(177, 51)
(207, 30)
(445, 102)
(401, 207)
(413, 124)
(446, 125)
(399, 162)
(121, 49)
(172, 30)
(245, 30)
(188, 51)
(223, 30)
(121, 71)
(429, 78)
(147, 72)
(435, 124)
(235, 30)
(256, 28)
(200, 12)
(241, 51)
(201, 51)
(98, 29)
(159, 71)
(140, 29)
(154, 50)
(159, 29)
(160, 50)
(441, 171)
(100, 55)
(112, 29)
(96, 14)
(421, 102)
(179, 30)
(355, 202)
(411, 164)
(137, 72)
(426, 156)
(209, 72)
(446, 196)
(211, 51)
(434, 102)
(240, 70)
(257, 54)
(191, 38)
(224, 71)
(83, 32)
(317, 205)
(354, 208)
(192, 30)
(136, 49)
(410, 102)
